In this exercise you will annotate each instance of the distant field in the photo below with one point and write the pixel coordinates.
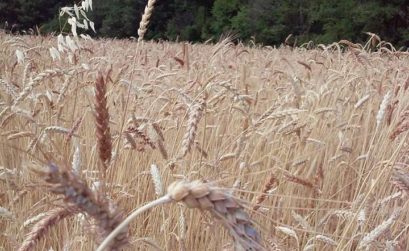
(312, 143)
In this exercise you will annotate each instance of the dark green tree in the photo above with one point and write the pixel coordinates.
(189, 20)
(29, 14)
(224, 12)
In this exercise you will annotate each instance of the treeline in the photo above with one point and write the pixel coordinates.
(262, 21)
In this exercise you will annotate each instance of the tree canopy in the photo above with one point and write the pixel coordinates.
(263, 21)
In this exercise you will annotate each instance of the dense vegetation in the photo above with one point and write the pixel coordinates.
(264, 21)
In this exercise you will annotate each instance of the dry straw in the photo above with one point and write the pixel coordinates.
(250, 119)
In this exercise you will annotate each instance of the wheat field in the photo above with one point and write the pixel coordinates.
(306, 148)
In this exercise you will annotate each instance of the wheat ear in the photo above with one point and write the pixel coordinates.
(145, 19)
(270, 115)
(8, 88)
(195, 114)
(267, 186)
(222, 205)
(102, 121)
(52, 217)
(139, 133)
(379, 230)
(400, 178)
(382, 108)
(77, 192)
(34, 83)
(401, 126)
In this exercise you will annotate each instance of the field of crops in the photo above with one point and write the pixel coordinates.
(273, 148)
